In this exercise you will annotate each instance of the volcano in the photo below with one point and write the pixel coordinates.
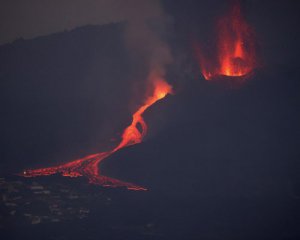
(218, 163)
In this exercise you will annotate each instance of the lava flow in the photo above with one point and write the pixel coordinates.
(89, 165)
(235, 48)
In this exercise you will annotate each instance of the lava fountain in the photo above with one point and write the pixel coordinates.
(235, 51)
(89, 165)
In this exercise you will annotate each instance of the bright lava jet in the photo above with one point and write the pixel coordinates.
(235, 51)
(89, 165)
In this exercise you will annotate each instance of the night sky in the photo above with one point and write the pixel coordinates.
(221, 161)
(34, 18)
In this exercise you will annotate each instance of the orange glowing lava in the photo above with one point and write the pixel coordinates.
(89, 165)
(235, 50)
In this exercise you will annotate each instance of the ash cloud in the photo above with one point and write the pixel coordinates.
(145, 36)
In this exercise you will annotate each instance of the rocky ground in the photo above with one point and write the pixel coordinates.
(58, 208)
(33, 202)
(62, 209)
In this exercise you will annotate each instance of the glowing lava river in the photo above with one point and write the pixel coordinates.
(89, 165)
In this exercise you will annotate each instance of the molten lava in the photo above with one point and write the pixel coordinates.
(235, 50)
(89, 165)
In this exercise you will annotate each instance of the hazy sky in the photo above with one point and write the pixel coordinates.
(31, 18)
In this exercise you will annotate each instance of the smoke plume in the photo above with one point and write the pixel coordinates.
(145, 37)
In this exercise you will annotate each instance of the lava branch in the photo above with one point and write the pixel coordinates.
(89, 165)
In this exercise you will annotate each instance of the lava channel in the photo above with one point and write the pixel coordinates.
(89, 165)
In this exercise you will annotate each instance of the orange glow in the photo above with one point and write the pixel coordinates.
(89, 165)
(132, 135)
(235, 50)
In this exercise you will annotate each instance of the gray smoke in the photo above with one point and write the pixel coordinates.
(145, 37)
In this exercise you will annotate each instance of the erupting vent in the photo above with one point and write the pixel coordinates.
(235, 56)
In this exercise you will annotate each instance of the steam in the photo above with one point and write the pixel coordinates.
(145, 30)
